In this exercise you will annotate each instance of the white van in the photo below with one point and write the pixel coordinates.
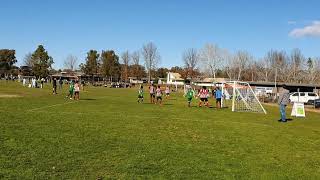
(303, 97)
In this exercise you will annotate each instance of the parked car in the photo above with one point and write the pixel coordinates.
(303, 97)
(315, 103)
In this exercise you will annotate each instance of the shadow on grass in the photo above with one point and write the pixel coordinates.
(164, 104)
(88, 99)
(287, 120)
(214, 107)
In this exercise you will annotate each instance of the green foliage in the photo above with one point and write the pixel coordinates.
(41, 62)
(180, 70)
(26, 70)
(162, 72)
(91, 67)
(110, 64)
(310, 63)
(7, 60)
(137, 71)
(82, 67)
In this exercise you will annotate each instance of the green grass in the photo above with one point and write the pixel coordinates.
(108, 135)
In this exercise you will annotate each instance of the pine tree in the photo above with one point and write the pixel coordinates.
(110, 64)
(41, 62)
(92, 66)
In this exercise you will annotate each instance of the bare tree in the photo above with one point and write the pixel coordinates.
(279, 67)
(230, 66)
(241, 60)
(151, 57)
(317, 70)
(70, 62)
(267, 66)
(211, 57)
(125, 59)
(260, 70)
(252, 70)
(135, 56)
(297, 59)
(136, 69)
(313, 69)
(190, 59)
(28, 60)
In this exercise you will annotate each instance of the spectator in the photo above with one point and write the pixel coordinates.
(283, 101)
(54, 85)
(24, 81)
(82, 84)
(41, 81)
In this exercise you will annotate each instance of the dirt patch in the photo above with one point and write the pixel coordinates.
(9, 96)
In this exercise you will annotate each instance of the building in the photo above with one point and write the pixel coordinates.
(135, 80)
(174, 79)
(209, 82)
(68, 75)
(292, 87)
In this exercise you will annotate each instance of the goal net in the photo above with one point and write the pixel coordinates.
(241, 97)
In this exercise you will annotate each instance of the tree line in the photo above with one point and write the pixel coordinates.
(209, 61)
(39, 61)
(275, 66)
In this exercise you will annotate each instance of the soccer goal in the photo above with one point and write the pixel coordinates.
(240, 97)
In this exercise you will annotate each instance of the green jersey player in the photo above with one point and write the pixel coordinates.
(140, 94)
(189, 94)
(71, 89)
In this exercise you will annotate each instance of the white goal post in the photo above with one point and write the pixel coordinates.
(240, 96)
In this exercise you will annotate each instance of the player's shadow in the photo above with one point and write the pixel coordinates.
(289, 119)
(168, 104)
(214, 107)
(88, 99)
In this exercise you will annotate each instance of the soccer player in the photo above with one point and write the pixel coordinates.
(140, 94)
(152, 91)
(218, 96)
(54, 86)
(60, 83)
(159, 95)
(189, 94)
(167, 91)
(82, 84)
(203, 95)
(71, 89)
(76, 91)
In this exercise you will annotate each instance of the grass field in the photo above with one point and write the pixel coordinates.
(108, 135)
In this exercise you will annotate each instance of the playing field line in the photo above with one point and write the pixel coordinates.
(49, 106)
